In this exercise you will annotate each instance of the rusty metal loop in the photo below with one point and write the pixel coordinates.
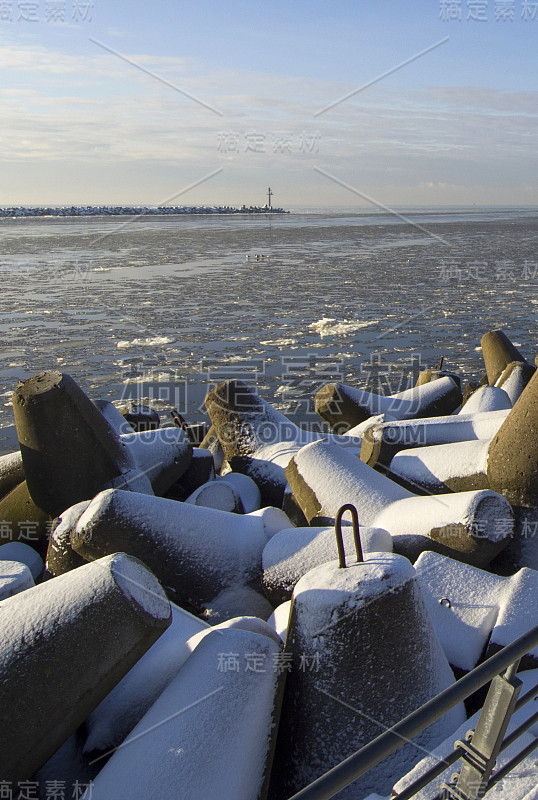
(340, 538)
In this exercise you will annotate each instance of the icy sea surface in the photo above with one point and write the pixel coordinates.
(160, 308)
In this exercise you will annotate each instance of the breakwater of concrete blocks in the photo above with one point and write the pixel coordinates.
(230, 615)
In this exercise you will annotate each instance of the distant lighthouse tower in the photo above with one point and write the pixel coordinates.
(269, 195)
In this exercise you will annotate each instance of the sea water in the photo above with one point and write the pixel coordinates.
(158, 309)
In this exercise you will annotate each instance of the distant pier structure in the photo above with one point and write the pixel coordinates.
(269, 195)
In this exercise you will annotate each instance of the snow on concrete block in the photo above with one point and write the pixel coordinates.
(514, 379)
(195, 552)
(324, 477)
(209, 734)
(216, 494)
(258, 440)
(441, 468)
(236, 601)
(244, 623)
(113, 416)
(60, 554)
(292, 553)
(163, 455)
(463, 603)
(474, 612)
(11, 472)
(64, 645)
(15, 577)
(18, 551)
(342, 671)
(279, 619)
(246, 488)
(474, 526)
(517, 614)
(381, 442)
(274, 520)
(487, 398)
(345, 406)
(115, 717)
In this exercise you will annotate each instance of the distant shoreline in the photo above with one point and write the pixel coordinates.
(128, 211)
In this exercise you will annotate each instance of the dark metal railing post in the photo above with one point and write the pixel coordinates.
(480, 751)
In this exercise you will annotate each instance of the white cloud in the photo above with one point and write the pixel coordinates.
(95, 109)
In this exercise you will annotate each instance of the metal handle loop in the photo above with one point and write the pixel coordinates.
(340, 538)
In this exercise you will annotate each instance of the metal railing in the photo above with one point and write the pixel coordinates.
(478, 752)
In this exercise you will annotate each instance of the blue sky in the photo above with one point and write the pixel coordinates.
(242, 95)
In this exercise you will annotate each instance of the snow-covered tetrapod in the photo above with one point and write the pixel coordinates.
(346, 406)
(346, 682)
(470, 526)
(382, 440)
(163, 454)
(257, 439)
(69, 450)
(472, 609)
(11, 472)
(64, 645)
(293, 552)
(210, 734)
(195, 552)
(514, 379)
(513, 454)
(498, 351)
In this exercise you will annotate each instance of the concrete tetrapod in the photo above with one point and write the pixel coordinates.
(64, 645)
(164, 455)
(381, 441)
(440, 468)
(15, 577)
(17, 551)
(61, 557)
(514, 379)
(487, 398)
(11, 472)
(472, 609)
(256, 439)
(210, 734)
(498, 351)
(217, 494)
(346, 682)
(195, 552)
(69, 450)
(22, 520)
(428, 375)
(469, 526)
(344, 406)
(123, 707)
(512, 467)
(293, 552)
